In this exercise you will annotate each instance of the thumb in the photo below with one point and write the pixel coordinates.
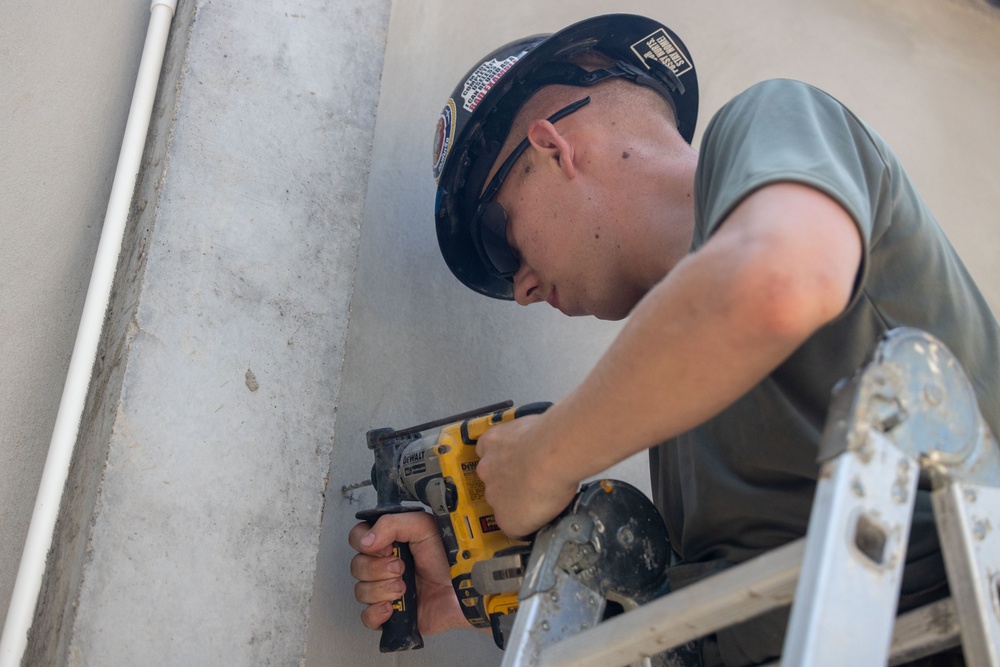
(405, 527)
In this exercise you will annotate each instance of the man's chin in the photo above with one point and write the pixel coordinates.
(614, 312)
(610, 312)
(607, 315)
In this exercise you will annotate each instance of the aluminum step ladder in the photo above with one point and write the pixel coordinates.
(910, 411)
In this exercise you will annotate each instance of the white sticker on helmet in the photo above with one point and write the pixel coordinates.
(444, 135)
(483, 79)
(659, 46)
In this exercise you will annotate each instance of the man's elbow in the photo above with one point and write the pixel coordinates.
(801, 253)
(790, 307)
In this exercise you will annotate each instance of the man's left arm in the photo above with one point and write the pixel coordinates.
(782, 265)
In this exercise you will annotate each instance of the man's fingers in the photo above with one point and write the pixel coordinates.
(374, 616)
(375, 568)
(376, 592)
(362, 539)
(405, 527)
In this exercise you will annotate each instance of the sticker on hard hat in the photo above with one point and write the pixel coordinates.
(444, 136)
(659, 46)
(483, 79)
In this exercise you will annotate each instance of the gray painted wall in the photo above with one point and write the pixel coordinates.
(207, 500)
(66, 71)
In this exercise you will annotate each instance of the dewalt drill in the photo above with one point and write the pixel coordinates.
(435, 464)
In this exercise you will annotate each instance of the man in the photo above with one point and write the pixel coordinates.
(755, 274)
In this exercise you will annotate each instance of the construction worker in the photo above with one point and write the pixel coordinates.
(755, 273)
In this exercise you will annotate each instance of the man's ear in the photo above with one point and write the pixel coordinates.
(552, 146)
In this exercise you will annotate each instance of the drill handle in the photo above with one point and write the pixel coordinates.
(400, 632)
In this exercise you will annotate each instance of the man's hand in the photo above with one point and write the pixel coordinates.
(523, 488)
(379, 573)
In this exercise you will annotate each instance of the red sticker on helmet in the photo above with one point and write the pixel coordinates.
(483, 79)
(444, 135)
(659, 46)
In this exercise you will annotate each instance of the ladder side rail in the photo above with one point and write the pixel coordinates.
(968, 520)
(845, 602)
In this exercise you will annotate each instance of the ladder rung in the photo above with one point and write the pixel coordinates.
(735, 595)
(711, 605)
(925, 631)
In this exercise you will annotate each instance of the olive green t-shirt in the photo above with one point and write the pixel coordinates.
(743, 482)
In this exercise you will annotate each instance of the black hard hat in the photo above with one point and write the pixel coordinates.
(477, 117)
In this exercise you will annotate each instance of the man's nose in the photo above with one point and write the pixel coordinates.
(527, 286)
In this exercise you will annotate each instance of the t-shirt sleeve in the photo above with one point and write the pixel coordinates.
(787, 131)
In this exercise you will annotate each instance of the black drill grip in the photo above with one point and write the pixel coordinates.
(400, 632)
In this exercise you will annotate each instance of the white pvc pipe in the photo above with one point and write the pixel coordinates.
(41, 531)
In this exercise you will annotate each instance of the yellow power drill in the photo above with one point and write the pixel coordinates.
(435, 464)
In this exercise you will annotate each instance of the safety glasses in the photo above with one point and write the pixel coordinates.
(490, 221)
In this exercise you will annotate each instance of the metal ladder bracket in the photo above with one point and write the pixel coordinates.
(912, 398)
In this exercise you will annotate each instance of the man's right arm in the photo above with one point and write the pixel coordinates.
(781, 266)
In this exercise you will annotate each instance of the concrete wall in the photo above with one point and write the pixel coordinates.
(189, 529)
(191, 534)
(224, 341)
(420, 345)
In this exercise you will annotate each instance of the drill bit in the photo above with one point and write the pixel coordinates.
(347, 488)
